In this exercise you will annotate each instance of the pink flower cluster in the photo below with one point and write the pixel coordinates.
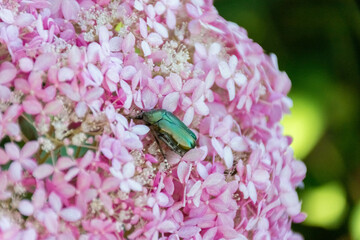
(76, 165)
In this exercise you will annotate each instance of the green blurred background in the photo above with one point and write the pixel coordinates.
(317, 43)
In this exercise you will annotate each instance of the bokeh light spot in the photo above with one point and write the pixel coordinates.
(325, 205)
(305, 125)
(355, 222)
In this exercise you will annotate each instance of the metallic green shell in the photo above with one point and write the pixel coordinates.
(170, 129)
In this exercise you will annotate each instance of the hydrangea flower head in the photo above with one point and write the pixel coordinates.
(76, 164)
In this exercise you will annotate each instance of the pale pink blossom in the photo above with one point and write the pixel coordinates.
(8, 122)
(124, 174)
(73, 77)
(22, 158)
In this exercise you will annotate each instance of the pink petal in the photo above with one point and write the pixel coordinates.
(188, 231)
(143, 28)
(201, 108)
(238, 144)
(15, 171)
(200, 50)
(94, 94)
(128, 72)
(30, 234)
(4, 93)
(39, 197)
(228, 157)
(183, 172)
(43, 171)
(71, 174)
(12, 150)
(213, 180)
(29, 164)
(128, 43)
(140, 129)
(201, 169)
(260, 176)
(103, 35)
(24, 19)
(26, 208)
(194, 189)
(53, 108)
(210, 79)
(64, 163)
(198, 92)
(169, 185)
(218, 205)
(29, 149)
(252, 191)
(166, 226)
(3, 157)
(36, 80)
(299, 217)
(13, 129)
(13, 111)
(217, 146)
(93, 53)
(214, 49)
(83, 181)
(230, 86)
(135, 186)
(48, 93)
(44, 61)
(138, 5)
(26, 64)
(70, 9)
(149, 98)
(124, 186)
(170, 19)
(51, 221)
(70, 214)
(240, 79)
(55, 202)
(189, 116)
(210, 234)
(115, 44)
(175, 81)
(233, 61)
(128, 170)
(110, 184)
(146, 48)
(154, 39)
(160, 8)
(192, 10)
(160, 29)
(6, 16)
(170, 101)
(244, 190)
(32, 107)
(65, 74)
(7, 72)
(74, 57)
(162, 199)
(224, 70)
(87, 159)
(195, 154)
(96, 74)
(69, 91)
(81, 109)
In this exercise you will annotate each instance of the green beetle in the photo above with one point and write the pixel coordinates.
(171, 130)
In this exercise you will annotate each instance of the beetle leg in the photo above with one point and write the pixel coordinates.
(157, 141)
(171, 144)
